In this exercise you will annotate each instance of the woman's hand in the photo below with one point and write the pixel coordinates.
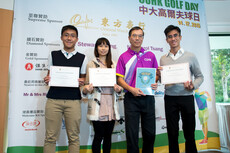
(117, 88)
(88, 89)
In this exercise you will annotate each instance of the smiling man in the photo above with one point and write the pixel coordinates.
(179, 99)
(64, 101)
(137, 105)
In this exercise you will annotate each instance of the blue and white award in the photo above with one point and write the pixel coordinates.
(144, 78)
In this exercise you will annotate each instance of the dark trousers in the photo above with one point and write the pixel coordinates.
(103, 131)
(174, 107)
(137, 108)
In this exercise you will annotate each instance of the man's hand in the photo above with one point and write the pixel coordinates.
(189, 85)
(81, 81)
(137, 92)
(154, 86)
(159, 69)
(47, 79)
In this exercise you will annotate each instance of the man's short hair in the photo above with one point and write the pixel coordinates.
(135, 28)
(170, 28)
(69, 27)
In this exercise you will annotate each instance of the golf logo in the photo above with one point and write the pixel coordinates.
(145, 77)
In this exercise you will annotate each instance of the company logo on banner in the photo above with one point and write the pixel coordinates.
(34, 83)
(37, 94)
(31, 125)
(33, 113)
(41, 62)
(29, 66)
(38, 66)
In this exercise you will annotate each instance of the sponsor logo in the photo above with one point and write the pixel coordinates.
(33, 113)
(159, 93)
(147, 59)
(41, 67)
(159, 118)
(76, 20)
(29, 66)
(106, 25)
(25, 94)
(150, 48)
(36, 66)
(31, 125)
(34, 83)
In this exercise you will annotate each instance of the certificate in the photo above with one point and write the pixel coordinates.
(178, 73)
(144, 78)
(63, 76)
(102, 77)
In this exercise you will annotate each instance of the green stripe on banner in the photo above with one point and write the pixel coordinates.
(24, 149)
(161, 140)
(31, 149)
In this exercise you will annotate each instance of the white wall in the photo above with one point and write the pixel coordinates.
(7, 4)
(218, 19)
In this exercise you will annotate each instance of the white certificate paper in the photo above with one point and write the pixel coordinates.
(63, 76)
(178, 73)
(102, 77)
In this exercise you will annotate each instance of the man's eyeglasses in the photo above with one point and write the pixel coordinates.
(70, 35)
(171, 36)
(135, 36)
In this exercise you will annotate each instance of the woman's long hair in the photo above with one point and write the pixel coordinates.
(109, 55)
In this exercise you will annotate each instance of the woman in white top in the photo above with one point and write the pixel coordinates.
(102, 104)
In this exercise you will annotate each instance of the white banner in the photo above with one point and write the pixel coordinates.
(37, 30)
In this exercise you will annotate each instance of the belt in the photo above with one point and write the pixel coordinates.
(105, 94)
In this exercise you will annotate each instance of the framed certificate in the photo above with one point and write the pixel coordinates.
(178, 73)
(144, 78)
(63, 76)
(102, 77)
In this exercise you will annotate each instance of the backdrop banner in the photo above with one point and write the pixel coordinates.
(37, 31)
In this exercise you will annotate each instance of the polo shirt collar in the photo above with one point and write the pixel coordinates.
(132, 52)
